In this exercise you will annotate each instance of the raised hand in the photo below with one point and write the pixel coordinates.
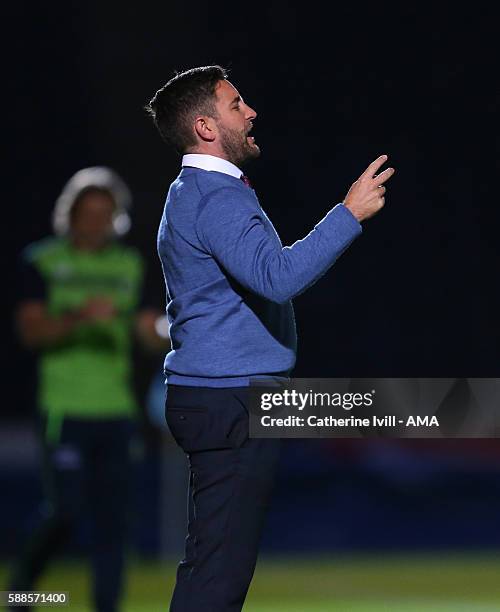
(366, 196)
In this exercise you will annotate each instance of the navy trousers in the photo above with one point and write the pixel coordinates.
(230, 483)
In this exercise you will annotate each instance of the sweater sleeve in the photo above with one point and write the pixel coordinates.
(232, 227)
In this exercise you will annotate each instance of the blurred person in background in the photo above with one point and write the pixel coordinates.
(79, 306)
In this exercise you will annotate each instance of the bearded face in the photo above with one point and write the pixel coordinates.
(234, 124)
(237, 145)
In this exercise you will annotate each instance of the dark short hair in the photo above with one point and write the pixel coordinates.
(174, 106)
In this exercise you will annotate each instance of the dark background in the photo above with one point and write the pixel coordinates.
(417, 294)
(334, 87)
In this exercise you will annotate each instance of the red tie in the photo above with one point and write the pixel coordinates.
(246, 180)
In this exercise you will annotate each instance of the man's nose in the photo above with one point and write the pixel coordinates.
(251, 114)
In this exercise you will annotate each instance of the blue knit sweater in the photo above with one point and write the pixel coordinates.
(230, 281)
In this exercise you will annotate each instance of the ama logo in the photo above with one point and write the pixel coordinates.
(422, 421)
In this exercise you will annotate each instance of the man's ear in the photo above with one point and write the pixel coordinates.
(205, 128)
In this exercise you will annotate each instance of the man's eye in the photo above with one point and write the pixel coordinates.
(237, 107)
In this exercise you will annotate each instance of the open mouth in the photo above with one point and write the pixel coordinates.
(250, 139)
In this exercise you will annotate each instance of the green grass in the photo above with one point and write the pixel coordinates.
(375, 583)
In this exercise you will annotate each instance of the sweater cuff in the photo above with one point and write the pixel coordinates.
(345, 221)
(350, 218)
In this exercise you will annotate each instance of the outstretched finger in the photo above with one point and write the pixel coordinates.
(374, 166)
(383, 176)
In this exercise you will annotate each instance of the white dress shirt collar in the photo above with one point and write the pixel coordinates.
(211, 163)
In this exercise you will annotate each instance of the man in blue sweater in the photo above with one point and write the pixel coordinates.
(229, 285)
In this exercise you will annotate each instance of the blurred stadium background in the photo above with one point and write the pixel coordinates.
(355, 525)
